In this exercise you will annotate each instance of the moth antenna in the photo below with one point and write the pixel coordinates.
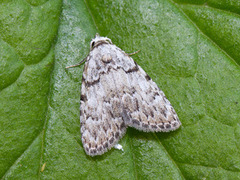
(77, 64)
(130, 54)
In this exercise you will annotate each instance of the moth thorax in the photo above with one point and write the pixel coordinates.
(107, 58)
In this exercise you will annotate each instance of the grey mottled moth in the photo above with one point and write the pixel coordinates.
(117, 93)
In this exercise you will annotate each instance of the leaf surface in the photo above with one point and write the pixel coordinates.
(189, 48)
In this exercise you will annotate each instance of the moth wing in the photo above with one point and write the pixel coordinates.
(102, 125)
(117, 93)
(146, 106)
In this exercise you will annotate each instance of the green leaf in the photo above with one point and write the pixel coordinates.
(189, 48)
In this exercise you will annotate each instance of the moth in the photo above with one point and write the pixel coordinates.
(117, 93)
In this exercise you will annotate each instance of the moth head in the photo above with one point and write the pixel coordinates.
(99, 40)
